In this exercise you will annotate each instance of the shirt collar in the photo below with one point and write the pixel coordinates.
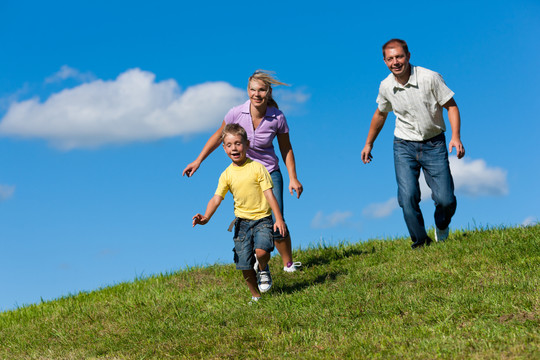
(413, 80)
(270, 110)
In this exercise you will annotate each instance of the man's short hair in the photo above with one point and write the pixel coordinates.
(234, 129)
(401, 43)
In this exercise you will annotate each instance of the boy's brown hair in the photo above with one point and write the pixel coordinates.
(234, 129)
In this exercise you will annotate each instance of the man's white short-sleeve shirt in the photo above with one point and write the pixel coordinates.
(417, 105)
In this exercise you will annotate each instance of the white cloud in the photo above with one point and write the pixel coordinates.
(380, 210)
(471, 178)
(67, 72)
(6, 191)
(288, 100)
(321, 221)
(133, 107)
(475, 178)
(531, 220)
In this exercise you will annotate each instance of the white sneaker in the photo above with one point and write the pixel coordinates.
(264, 280)
(256, 265)
(254, 300)
(441, 235)
(292, 267)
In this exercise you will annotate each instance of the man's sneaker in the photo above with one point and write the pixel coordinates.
(441, 235)
(292, 266)
(427, 242)
(264, 279)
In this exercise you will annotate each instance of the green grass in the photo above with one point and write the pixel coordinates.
(476, 296)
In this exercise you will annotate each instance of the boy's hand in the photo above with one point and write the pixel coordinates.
(199, 219)
(281, 227)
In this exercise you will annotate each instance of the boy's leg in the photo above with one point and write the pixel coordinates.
(263, 242)
(263, 257)
(243, 253)
(251, 281)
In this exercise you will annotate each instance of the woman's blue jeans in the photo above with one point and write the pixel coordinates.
(432, 157)
(277, 180)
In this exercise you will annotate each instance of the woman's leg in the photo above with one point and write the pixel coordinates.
(283, 244)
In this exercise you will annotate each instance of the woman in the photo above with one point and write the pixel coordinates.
(263, 121)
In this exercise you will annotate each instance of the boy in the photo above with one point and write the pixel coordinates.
(251, 187)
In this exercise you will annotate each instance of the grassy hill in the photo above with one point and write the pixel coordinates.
(475, 296)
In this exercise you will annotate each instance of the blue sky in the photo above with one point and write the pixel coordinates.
(102, 104)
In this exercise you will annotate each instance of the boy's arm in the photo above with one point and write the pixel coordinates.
(211, 208)
(280, 223)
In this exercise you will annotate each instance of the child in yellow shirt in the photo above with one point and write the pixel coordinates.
(251, 186)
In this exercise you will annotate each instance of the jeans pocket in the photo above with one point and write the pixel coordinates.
(436, 143)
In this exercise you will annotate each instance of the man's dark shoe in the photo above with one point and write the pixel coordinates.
(426, 242)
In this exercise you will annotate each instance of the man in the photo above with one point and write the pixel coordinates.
(417, 96)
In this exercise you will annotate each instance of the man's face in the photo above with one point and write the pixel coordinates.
(397, 61)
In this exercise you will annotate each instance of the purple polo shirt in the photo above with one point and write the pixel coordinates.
(261, 148)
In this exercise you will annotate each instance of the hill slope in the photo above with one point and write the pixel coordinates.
(474, 296)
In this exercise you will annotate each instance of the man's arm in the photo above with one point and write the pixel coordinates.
(280, 223)
(455, 123)
(377, 123)
(211, 208)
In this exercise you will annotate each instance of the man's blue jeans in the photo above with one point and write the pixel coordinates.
(431, 156)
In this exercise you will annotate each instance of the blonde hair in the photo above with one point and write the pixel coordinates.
(268, 79)
(234, 129)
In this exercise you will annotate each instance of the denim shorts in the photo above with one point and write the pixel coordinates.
(248, 236)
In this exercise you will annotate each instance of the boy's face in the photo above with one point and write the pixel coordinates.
(236, 148)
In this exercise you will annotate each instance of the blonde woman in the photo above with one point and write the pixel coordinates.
(263, 121)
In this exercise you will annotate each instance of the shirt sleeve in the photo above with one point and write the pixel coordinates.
(264, 178)
(230, 117)
(441, 92)
(283, 127)
(383, 104)
(223, 185)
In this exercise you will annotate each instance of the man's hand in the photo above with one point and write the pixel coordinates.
(366, 154)
(460, 149)
(199, 219)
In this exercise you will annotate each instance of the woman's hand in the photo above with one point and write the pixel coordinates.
(294, 185)
(191, 168)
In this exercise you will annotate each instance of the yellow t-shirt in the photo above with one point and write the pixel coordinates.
(247, 183)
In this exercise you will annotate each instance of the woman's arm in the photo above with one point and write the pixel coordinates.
(208, 148)
(288, 158)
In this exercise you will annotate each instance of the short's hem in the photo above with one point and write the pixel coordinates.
(247, 268)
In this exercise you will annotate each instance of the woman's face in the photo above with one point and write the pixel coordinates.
(258, 93)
